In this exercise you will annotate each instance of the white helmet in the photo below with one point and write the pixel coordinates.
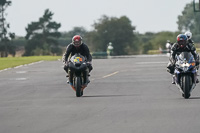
(168, 45)
(188, 34)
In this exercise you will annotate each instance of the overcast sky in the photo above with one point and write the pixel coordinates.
(145, 15)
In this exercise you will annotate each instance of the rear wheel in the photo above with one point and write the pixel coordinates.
(78, 86)
(186, 86)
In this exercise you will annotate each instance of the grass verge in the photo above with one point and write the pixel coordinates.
(10, 62)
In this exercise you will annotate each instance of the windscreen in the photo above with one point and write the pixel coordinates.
(186, 56)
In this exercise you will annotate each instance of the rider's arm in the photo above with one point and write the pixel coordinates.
(190, 41)
(67, 53)
(173, 52)
(193, 50)
(87, 53)
(194, 53)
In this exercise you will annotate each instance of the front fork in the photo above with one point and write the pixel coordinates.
(178, 76)
(84, 78)
(193, 74)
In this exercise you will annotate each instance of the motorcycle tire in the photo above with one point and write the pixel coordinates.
(186, 86)
(78, 87)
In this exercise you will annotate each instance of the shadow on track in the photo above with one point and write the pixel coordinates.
(194, 98)
(111, 95)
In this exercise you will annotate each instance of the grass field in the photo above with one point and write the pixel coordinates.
(10, 62)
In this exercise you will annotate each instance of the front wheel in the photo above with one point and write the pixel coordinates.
(78, 87)
(186, 86)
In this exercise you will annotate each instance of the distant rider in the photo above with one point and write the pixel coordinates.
(189, 36)
(169, 46)
(77, 46)
(182, 45)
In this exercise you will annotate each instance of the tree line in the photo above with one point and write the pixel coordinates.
(43, 36)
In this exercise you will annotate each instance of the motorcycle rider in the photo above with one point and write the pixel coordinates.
(182, 45)
(168, 46)
(189, 36)
(77, 46)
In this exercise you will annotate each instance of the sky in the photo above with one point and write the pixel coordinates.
(145, 15)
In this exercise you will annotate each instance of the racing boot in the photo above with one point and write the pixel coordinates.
(197, 81)
(67, 76)
(173, 79)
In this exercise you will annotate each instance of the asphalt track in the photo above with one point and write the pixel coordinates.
(126, 95)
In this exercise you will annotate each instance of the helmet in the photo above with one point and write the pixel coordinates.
(188, 34)
(182, 40)
(77, 40)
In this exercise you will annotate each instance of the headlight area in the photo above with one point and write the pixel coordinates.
(185, 67)
(192, 64)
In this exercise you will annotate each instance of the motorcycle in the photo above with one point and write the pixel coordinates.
(185, 73)
(77, 68)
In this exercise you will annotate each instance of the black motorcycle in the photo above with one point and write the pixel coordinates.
(77, 68)
(185, 73)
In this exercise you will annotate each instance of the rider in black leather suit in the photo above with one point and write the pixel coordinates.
(182, 45)
(77, 46)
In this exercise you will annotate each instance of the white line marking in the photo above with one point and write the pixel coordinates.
(110, 74)
(21, 72)
(19, 66)
(20, 79)
(22, 66)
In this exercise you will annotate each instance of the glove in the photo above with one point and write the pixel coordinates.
(66, 66)
(66, 63)
(89, 63)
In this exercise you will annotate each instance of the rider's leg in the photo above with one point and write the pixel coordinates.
(86, 76)
(197, 80)
(66, 69)
(170, 69)
(70, 75)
